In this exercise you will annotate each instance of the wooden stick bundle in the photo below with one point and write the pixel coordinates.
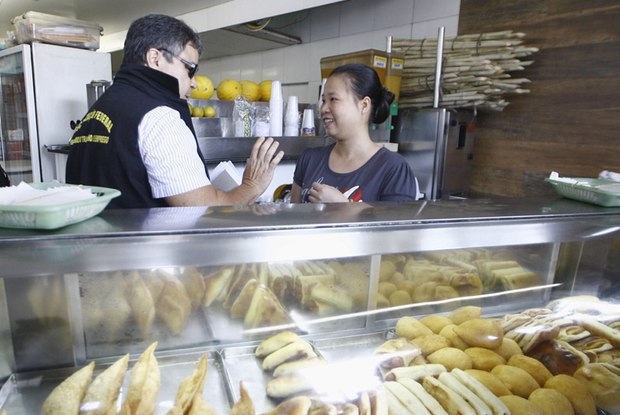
(475, 70)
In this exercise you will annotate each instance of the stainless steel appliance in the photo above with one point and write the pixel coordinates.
(42, 92)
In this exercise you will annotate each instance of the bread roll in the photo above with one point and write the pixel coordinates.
(484, 359)
(299, 405)
(451, 358)
(449, 333)
(492, 382)
(430, 343)
(275, 342)
(532, 366)
(521, 406)
(410, 328)
(551, 402)
(576, 392)
(462, 314)
(435, 322)
(516, 379)
(508, 348)
(481, 332)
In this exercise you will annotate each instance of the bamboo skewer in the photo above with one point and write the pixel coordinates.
(475, 70)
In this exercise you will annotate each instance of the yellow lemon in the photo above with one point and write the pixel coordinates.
(229, 89)
(265, 90)
(198, 112)
(210, 112)
(204, 88)
(250, 90)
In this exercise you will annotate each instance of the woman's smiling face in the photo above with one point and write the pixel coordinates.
(341, 111)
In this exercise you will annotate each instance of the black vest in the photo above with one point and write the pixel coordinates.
(104, 148)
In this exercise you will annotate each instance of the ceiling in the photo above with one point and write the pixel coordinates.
(115, 17)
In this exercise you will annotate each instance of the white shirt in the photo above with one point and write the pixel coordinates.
(168, 150)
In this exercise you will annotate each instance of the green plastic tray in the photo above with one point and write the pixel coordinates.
(587, 190)
(56, 216)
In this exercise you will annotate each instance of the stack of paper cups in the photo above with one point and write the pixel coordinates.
(307, 123)
(291, 118)
(276, 108)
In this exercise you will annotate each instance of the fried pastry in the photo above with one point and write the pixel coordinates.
(484, 359)
(67, 396)
(603, 382)
(216, 285)
(101, 396)
(532, 366)
(521, 406)
(174, 305)
(191, 387)
(244, 406)
(195, 285)
(551, 402)
(265, 309)
(516, 379)
(142, 304)
(481, 332)
(143, 384)
(451, 358)
(241, 304)
(410, 328)
(576, 392)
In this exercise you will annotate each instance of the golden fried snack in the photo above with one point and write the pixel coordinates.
(265, 309)
(200, 407)
(508, 348)
(194, 284)
(516, 379)
(430, 343)
(397, 352)
(286, 386)
(296, 350)
(241, 304)
(481, 332)
(470, 397)
(101, 396)
(143, 385)
(399, 297)
(477, 387)
(386, 270)
(155, 283)
(67, 396)
(402, 401)
(216, 285)
(244, 406)
(191, 387)
(410, 328)
(275, 342)
(462, 314)
(142, 304)
(299, 405)
(521, 406)
(449, 333)
(466, 283)
(532, 366)
(47, 297)
(492, 382)
(451, 358)
(298, 366)
(484, 359)
(332, 295)
(551, 402)
(118, 310)
(435, 322)
(449, 399)
(417, 372)
(174, 305)
(603, 382)
(426, 398)
(576, 392)
(559, 356)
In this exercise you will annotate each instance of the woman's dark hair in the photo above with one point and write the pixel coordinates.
(160, 32)
(365, 82)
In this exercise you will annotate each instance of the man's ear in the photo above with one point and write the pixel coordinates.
(152, 58)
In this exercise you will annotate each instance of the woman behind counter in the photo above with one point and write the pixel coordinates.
(354, 168)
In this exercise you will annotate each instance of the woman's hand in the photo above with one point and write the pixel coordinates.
(325, 193)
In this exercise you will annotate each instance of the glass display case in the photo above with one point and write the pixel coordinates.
(218, 281)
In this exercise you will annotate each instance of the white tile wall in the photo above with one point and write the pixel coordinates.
(338, 28)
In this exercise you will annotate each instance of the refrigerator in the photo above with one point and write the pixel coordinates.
(438, 143)
(43, 95)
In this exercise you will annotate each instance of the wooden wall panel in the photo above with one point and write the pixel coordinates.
(570, 121)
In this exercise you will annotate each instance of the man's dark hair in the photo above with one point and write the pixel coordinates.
(160, 32)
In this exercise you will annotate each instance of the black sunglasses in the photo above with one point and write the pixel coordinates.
(192, 68)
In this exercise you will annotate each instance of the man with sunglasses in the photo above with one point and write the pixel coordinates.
(138, 137)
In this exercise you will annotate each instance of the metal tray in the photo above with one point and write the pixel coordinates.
(25, 393)
(351, 368)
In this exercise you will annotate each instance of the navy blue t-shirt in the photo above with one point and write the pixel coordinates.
(385, 177)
